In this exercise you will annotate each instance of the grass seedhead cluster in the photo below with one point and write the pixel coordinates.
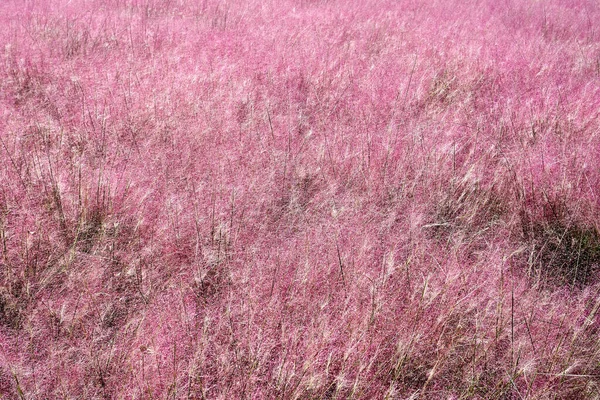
(222, 199)
(466, 212)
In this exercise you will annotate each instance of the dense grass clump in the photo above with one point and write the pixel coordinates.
(562, 253)
(292, 199)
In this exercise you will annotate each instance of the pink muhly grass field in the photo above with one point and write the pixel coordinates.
(299, 199)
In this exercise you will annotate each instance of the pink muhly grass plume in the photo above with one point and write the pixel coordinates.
(299, 199)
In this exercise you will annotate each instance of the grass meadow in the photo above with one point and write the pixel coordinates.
(299, 199)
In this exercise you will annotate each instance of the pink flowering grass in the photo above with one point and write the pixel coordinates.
(299, 199)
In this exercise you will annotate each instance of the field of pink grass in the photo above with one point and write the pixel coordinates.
(299, 199)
